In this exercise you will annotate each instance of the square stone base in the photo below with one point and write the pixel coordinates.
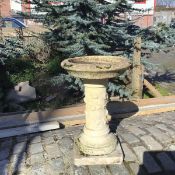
(116, 157)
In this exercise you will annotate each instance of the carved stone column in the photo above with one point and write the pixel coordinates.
(96, 139)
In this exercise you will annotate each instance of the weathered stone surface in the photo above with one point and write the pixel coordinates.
(171, 147)
(35, 148)
(38, 170)
(4, 167)
(4, 153)
(159, 135)
(22, 138)
(56, 166)
(81, 170)
(66, 144)
(53, 151)
(19, 147)
(167, 163)
(129, 156)
(6, 143)
(95, 66)
(20, 157)
(95, 138)
(47, 134)
(17, 167)
(21, 93)
(37, 159)
(136, 169)
(166, 129)
(98, 170)
(166, 118)
(118, 170)
(171, 150)
(116, 157)
(136, 130)
(35, 139)
(140, 150)
(130, 138)
(32, 128)
(48, 140)
(59, 133)
(151, 143)
(74, 130)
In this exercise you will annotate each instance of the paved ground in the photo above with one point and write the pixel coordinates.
(148, 144)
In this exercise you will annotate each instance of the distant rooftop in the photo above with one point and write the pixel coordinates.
(166, 3)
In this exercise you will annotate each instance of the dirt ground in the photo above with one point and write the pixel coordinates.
(165, 71)
(29, 31)
(166, 60)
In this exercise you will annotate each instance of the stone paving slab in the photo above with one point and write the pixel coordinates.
(148, 145)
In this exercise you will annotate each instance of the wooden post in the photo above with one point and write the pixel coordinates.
(1, 37)
(137, 71)
(152, 89)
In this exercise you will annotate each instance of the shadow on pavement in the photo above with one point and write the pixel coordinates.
(167, 76)
(120, 110)
(158, 163)
(14, 151)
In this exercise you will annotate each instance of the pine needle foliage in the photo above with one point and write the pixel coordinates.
(97, 27)
(158, 37)
(87, 27)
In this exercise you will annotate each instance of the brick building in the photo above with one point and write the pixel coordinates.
(143, 18)
(9, 8)
(5, 8)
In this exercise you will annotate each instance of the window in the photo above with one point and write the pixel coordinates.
(140, 1)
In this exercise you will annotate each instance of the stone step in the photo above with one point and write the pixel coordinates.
(33, 128)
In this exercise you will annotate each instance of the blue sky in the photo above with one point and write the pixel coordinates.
(170, 3)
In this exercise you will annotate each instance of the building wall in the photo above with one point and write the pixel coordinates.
(10, 7)
(145, 17)
(5, 9)
(15, 6)
(26, 7)
(147, 6)
(144, 21)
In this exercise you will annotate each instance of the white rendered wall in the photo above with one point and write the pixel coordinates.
(148, 6)
(16, 5)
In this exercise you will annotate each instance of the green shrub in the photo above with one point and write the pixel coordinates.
(53, 67)
(26, 75)
(37, 49)
(19, 65)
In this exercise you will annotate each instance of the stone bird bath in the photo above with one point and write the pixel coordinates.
(96, 138)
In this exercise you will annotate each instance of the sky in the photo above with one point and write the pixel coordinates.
(170, 3)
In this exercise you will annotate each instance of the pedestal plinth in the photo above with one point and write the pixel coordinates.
(115, 157)
(96, 145)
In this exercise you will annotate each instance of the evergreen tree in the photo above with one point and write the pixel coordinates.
(97, 27)
(85, 27)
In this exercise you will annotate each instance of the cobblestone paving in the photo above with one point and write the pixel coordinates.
(148, 145)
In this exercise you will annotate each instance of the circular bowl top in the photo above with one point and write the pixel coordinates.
(95, 67)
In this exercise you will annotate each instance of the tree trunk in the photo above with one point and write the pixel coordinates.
(137, 71)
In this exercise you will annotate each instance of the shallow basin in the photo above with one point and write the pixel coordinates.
(95, 67)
